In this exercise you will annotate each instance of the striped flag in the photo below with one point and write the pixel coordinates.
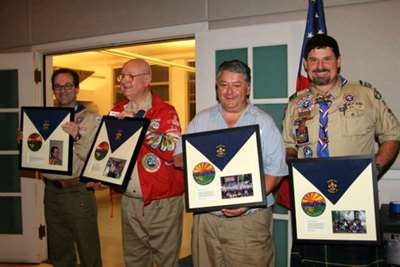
(315, 25)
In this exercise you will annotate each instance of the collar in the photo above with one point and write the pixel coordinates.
(130, 106)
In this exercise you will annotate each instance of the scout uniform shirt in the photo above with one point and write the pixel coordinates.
(88, 121)
(357, 116)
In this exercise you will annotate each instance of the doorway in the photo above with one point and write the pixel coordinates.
(173, 68)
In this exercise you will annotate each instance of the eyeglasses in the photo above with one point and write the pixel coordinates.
(130, 77)
(67, 87)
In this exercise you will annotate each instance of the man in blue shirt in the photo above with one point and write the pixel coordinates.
(241, 236)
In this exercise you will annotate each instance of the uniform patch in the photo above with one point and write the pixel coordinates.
(155, 124)
(348, 97)
(151, 163)
(307, 151)
(313, 204)
(305, 105)
(302, 134)
(203, 173)
(101, 150)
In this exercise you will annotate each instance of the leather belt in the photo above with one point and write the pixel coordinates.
(64, 183)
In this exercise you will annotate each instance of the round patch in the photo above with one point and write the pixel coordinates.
(151, 162)
(155, 124)
(101, 150)
(313, 204)
(203, 173)
(349, 98)
(305, 103)
(35, 142)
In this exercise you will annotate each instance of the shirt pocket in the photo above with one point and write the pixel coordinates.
(357, 123)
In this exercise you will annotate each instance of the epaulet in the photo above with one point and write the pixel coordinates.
(377, 94)
(293, 96)
(366, 84)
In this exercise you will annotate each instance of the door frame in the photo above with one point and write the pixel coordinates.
(111, 40)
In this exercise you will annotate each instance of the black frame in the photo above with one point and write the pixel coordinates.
(142, 122)
(347, 238)
(259, 171)
(24, 166)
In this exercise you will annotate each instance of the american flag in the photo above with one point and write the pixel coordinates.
(315, 25)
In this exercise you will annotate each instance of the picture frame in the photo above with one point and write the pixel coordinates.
(215, 176)
(114, 151)
(335, 200)
(45, 146)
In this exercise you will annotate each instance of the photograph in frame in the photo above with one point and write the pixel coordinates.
(223, 169)
(335, 200)
(45, 146)
(114, 151)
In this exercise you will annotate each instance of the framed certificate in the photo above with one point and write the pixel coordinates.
(114, 151)
(335, 200)
(223, 169)
(45, 146)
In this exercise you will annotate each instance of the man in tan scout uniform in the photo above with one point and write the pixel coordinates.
(357, 119)
(71, 213)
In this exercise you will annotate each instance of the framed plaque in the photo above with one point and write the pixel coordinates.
(335, 200)
(114, 151)
(223, 169)
(45, 146)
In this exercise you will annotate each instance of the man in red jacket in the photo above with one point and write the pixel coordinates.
(152, 206)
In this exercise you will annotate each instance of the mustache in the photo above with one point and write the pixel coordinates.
(320, 70)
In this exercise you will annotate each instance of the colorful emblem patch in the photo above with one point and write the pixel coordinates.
(151, 163)
(155, 124)
(307, 152)
(220, 151)
(302, 134)
(348, 98)
(101, 150)
(203, 173)
(313, 204)
(333, 186)
(35, 142)
(305, 104)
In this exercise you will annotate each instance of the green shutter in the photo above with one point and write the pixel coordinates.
(270, 72)
(230, 54)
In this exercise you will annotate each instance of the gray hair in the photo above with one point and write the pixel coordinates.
(235, 66)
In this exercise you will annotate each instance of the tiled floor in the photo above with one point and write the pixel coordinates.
(110, 232)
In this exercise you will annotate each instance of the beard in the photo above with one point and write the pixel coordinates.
(321, 80)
